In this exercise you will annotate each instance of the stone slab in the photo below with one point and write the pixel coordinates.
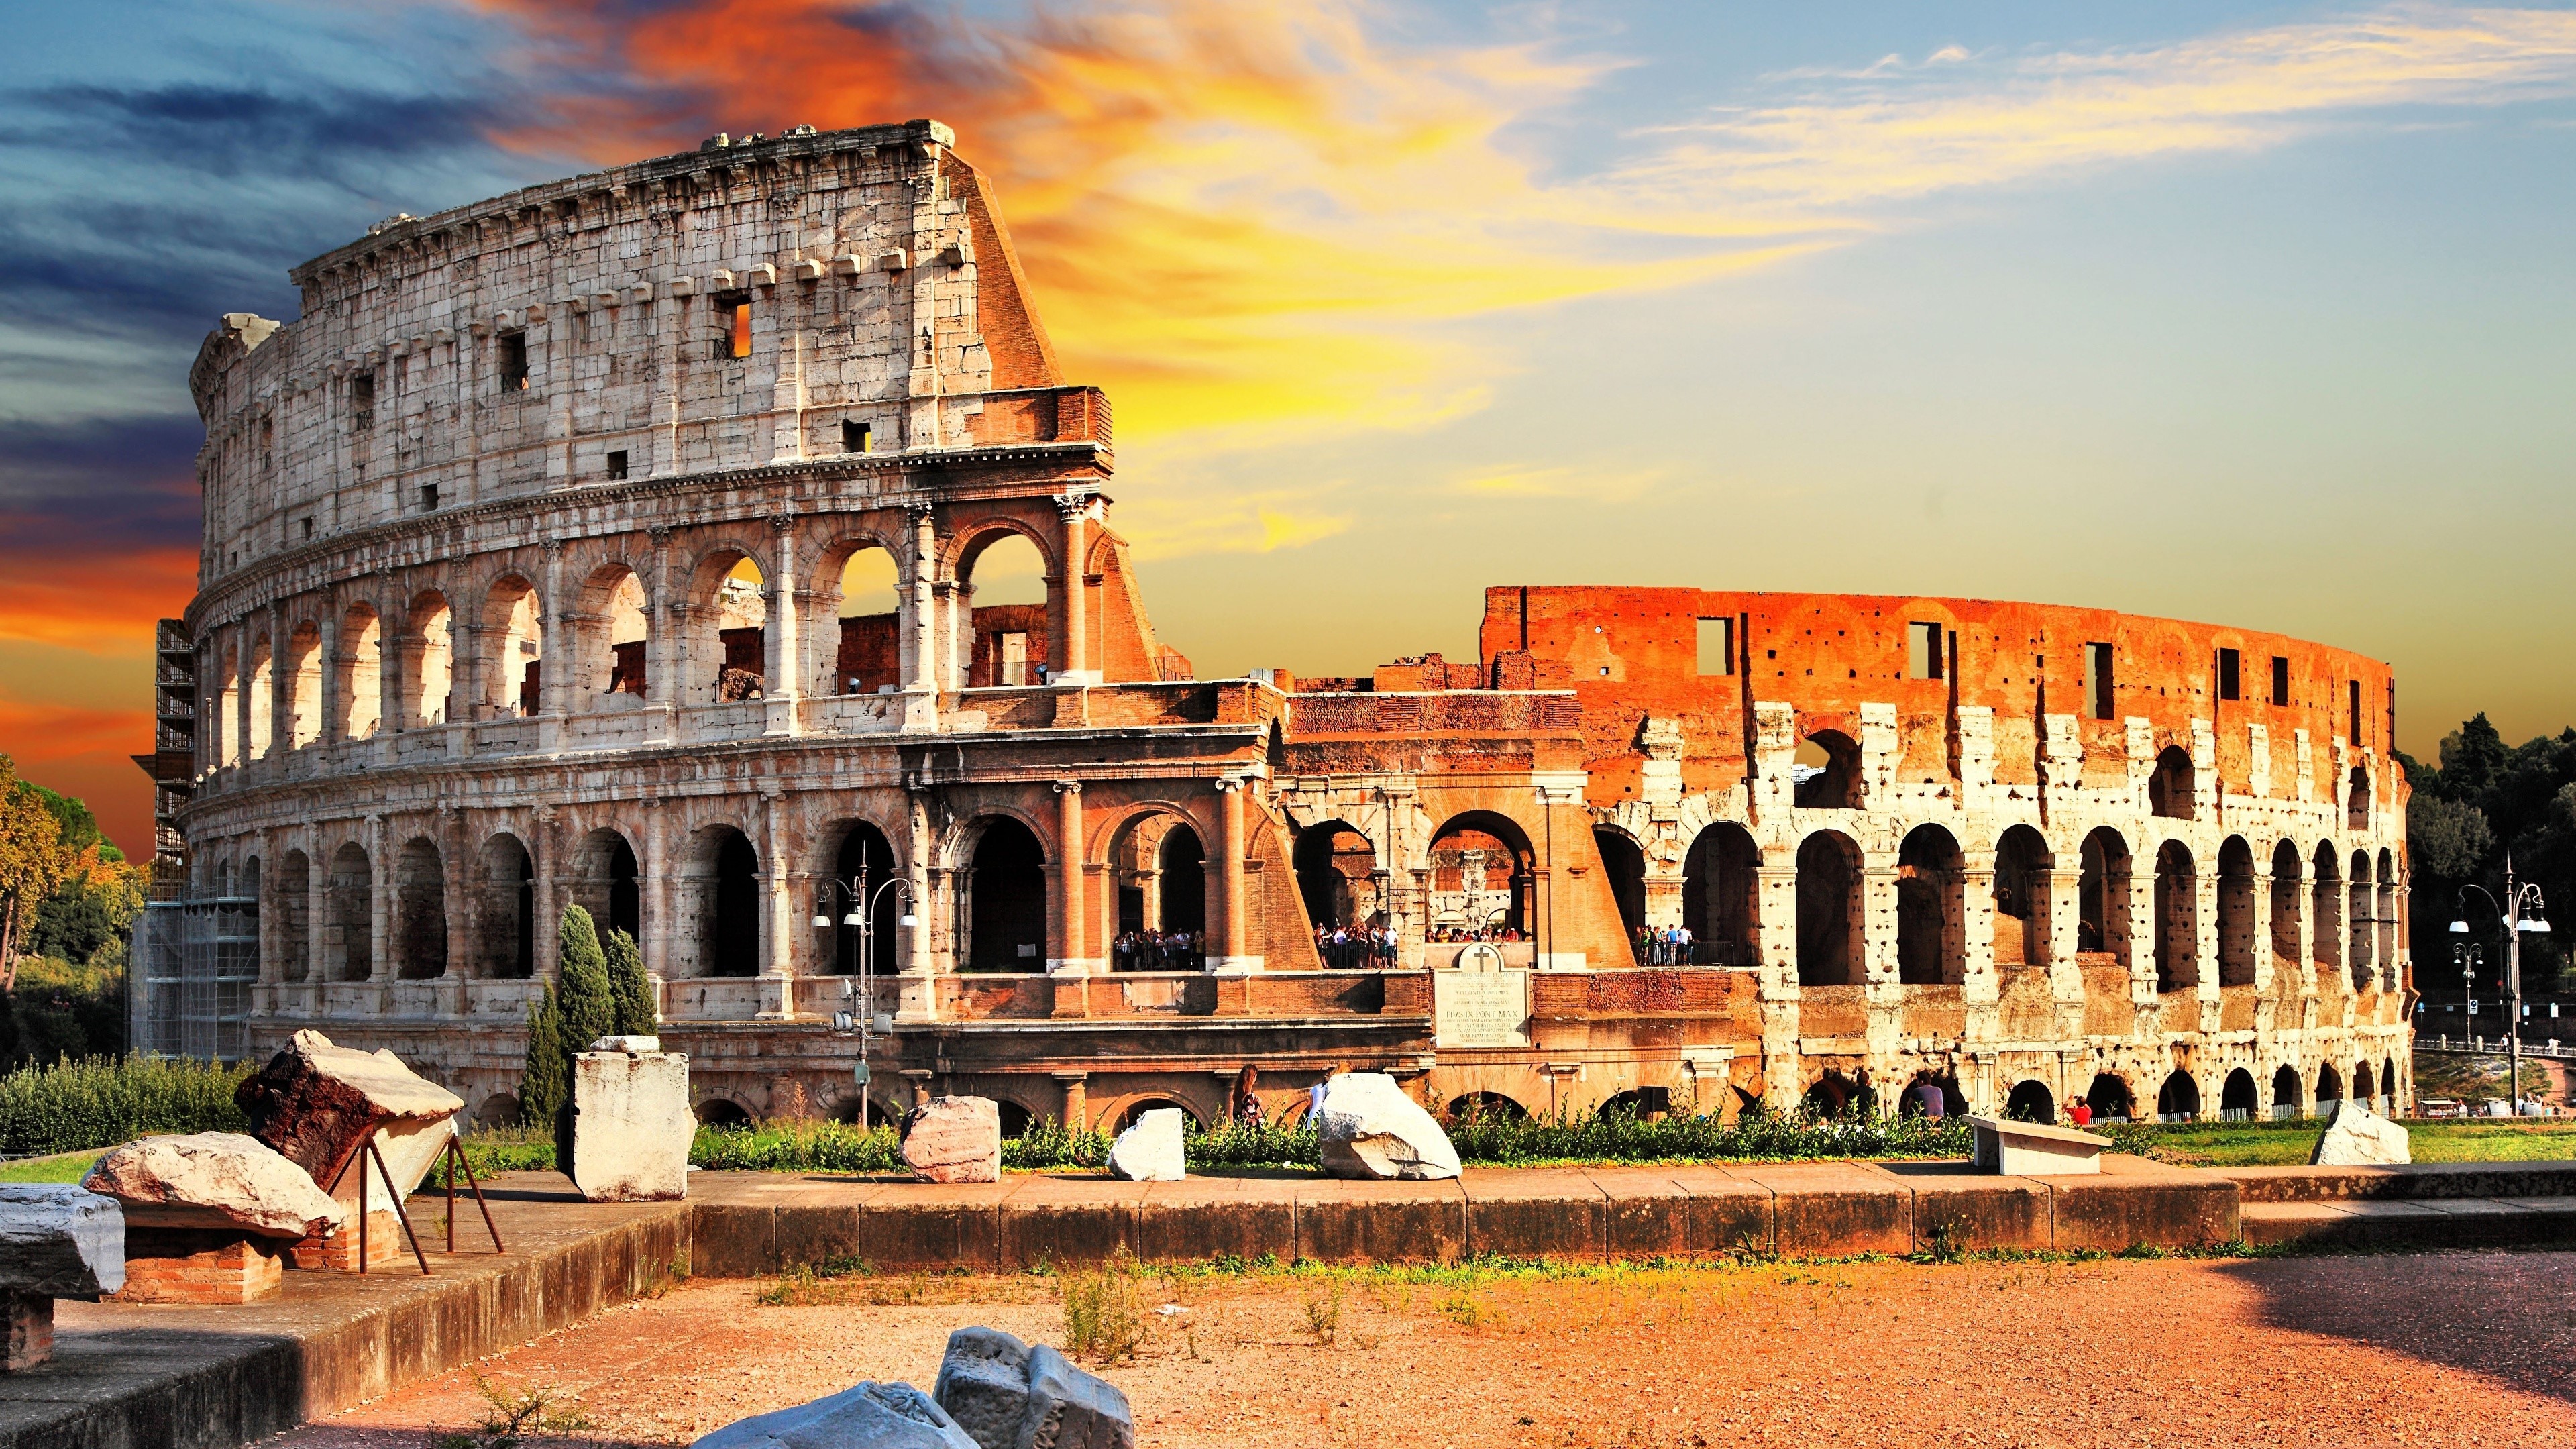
(1534, 1213)
(1835, 1209)
(1964, 1209)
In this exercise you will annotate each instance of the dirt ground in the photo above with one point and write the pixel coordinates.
(2440, 1348)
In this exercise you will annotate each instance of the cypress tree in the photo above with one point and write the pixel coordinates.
(589, 1004)
(544, 1086)
(636, 1014)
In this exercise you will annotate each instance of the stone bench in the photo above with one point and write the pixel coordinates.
(2033, 1149)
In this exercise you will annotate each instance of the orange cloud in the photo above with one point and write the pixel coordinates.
(97, 603)
(83, 751)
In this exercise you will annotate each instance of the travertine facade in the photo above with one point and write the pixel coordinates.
(522, 586)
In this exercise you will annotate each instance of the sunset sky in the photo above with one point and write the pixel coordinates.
(2255, 313)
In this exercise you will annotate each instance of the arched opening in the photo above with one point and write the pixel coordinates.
(2177, 919)
(348, 931)
(1483, 877)
(2109, 1098)
(2169, 789)
(2022, 864)
(2362, 927)
(1825, 772)
(605, 881)
(2102, 896)
(2356, 808)
(2236, 1099)
(1624, 866)
(2329, 1090)
(226, 731)
(1135, 1112)
(2031, 1101)
(1485, 1107)
(739, 607)
(617, 657)
(1004, 578)
(867, 656)
(1161, 873)
(2388, 1084)
(304, 685)
(722, 1115)
(514, 650)
(720, 893)
(2386, 917)
(506, 909)
(1910, 1102)
(2178, 1100)
(1006, 887)
(432, 632)
(499, 1110)
(865, 861)
(262, 692)
(2287, 1094)
(1836, 1095)
(1336, 875)
(2326, 900)
(1015, 1120)
(420, 911)
(1931, 912)
(1638, 1104)
(294, 916)
(2235, 912)
(2362, 1085)
(1719, 899)
(2285, 905)
(362, 673)
(1829, 926)
(1180, 864)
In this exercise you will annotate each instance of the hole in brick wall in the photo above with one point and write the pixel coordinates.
(1923, 651)
(2099, 684)
(513, 356)
(616, 465)
(1717, 646)
(362, 399)
(428, 496)
(2227, 672)
(2170, 788)
(732, 316)
(2280, 680)
(2352, 728)
(308, 528)
(1825, 772)
(855, 436)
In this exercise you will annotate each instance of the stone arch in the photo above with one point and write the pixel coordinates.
(719, 886)
(1931, 908)
(1008, 642)
(1623, 866)
(227, 730)
(613, 664)
(2102, 894)
(1829, 910)
(1467, 890)
(294, 916)
(2361, 924)
(1005, 889)
(2329, 1089)
(304, 686)
(2170, 787)
(2110, 1098)
(2031, 1101)
(859, 622)
(2387, 918)
(1825, 772)
(2289, 1094)
(2388, 1085)
(1721, 895)
(2287, 869)
(420, 911)
(2023, 862)
(2237, 1099)
(2177, 907)
(1485, 1107)
(723, 1113)
(348, 930)
(1836, 1093)
(430, 641)
(2364, 1088)
(361, 682)
(262, 735)
(606, 879)
(725, 651)
(1644, 1104)
(1337, 874)
(512, 629)
(2356, 816)
(2178, 1098)
(861, 858)
(2326, 900)
(500, 1109)
(2235, 912)
(1133, 1110)
(505, 909)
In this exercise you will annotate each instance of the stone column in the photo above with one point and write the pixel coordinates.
(1775, 936)
(281, 694)
(2204, 947)
(653, 891)
(2259, 929)
(545, 898)
(1977, 926)
(784, 683)
(333, 726)
(454, 898)
(1077, 1110)
(380, 903)
(397, 659)
(1231, 948)
(921, 682)
(240, 722)
(317, 918)
(778, 920)
(670, 354)
(554, 645)
(1073, 651)
(662, 649)
(1067, 912)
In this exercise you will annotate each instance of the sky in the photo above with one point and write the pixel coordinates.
(2257, 313)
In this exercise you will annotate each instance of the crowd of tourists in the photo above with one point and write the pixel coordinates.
(1475, 933)
(1159, 951)
(1670, 946)
(1356, 948)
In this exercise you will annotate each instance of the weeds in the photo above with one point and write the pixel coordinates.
(1104, 1318)
(509, 1419)
(1324, 1314)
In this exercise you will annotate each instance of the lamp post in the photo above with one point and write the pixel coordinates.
(859, 1012)
(2518, 913)
(2468, 956)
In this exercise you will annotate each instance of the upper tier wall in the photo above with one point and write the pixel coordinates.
(586, 330)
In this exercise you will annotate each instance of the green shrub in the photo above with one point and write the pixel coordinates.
(798, 1147)
(546, 1082)
(102, 1101)
(636, 1013)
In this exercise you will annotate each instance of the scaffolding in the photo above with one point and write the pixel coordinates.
(202, 1010)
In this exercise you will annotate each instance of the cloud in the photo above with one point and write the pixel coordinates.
(1590, 484)
(1261, 521)
(98, 530)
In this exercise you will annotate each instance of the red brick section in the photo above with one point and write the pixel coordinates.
(1022, 354)
(339, 1253)
(171, 1267)
(27, 1335)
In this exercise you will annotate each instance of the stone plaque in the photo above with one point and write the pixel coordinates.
(1480, 1008)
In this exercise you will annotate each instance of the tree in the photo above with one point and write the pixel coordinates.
(636, 1012)
(33, 861)
(589, 1002)
(545, 1086)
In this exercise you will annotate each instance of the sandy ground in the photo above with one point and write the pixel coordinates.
(2443, 1348)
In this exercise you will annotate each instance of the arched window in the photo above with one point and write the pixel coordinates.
(2362, 1086)
(1181, 867)
(606, 880)
(739, 668)
(2177, 919)
(1720, 902)
(2178, 1100)
(435, 678)
(2327, 912)
(1825, 773)
(1930, 909)
(865, 861)
(2169, 789)
(2287, 899)
(1484, 876)
(514, 651)
(1006, 887)
(2102, 896)
(505, 909)
(294, 916)
(420, 911)
(1625, 867)
(2287, 1094)
(2109, 1097)
(2357, 799)
(615, 669)
(227, 722)
(2329, 1090)
(1004, 578)
(348, 935)
(723, 1114)
(304, 685)
(262, 738)
(1829, 928)
(1136, 1110)
(2022, 864)
(2363, 922)
(868, 657)
(1336, 874)
(1485, 1107)
(362, 697)
(2235, 912)
(2236, 1097)
(2031, 1101)
(720, 910)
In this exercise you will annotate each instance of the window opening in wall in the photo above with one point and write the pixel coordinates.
(2227, 672)
(870, 655)
(362, 400)
(308, 528)
(2280, 680)
(733, 319)
(2097, 680)
(1011, 658)
(854, 437)
(1923, 651)
(428, 496)
(2352, 730)
(514, 362)
(1717, 646)
(616, 465)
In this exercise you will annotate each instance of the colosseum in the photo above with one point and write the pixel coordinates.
(616, 542)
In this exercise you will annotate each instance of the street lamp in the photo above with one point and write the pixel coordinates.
(859, 1011)
(2519, 914)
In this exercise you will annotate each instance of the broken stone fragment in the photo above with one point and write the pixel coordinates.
(2359, 1137)
(214, 1180)
(954, 1139)
(317, 1103)
(1152, 1150)
(863, 1416)
(631, 1125)
(1008, 1395)
(59, 1241)
(1369, 1128)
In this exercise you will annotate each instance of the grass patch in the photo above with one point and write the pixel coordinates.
(2285, 1144)
(66, 1167)
(1104, 1312)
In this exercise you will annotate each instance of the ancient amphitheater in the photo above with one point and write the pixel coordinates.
(524, 584)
